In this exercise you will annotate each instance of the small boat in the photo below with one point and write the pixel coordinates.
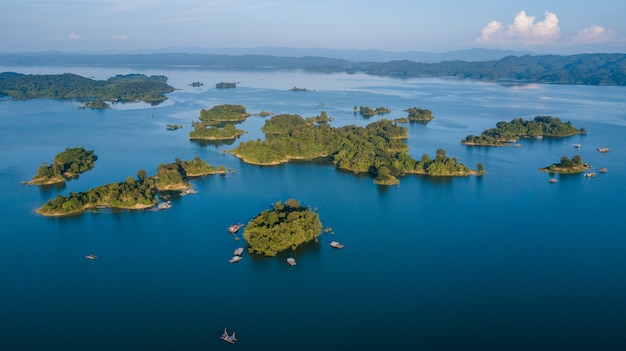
(238, 251)
(291, 261)
(517, 145)
(91, 257)
(603, 170)
(591, 174)
(235, 259)
(577, 146)
(228, 338)
(336, 244)
(188, 192)
(553, 180)
(166, 205)
(603, 149)
(234, 228)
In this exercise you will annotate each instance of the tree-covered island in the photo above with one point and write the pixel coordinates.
(216, 122)
(132, 193)
(284, 226)
(575, 165)
(506, 132)
(66, 165)
(121, 88)
(225, 85)
(377, 149)
(367, 111)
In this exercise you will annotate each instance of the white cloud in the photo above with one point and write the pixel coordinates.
(524, 30)
(121, 37)
(594, 35)
(74, 36)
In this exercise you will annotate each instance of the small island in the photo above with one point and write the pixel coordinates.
(225, 85)
(419, 115)
(216, 123)
(172, 127)
(509, 132)
(121, 88)
(196, 84)
(366, 111)
(284, 226)
(377, 149)
(66, 165)
(97, 104)
(296, 89)
(134, 194)
(567, 166)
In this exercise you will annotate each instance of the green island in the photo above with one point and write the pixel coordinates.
(296, 89)
(66, 165)
(173, 127)
(139, 193)
(225, 85)
(284, 226)
(202, 131)
(368, 111)
(97, 104)
(121, 88)
(419, 115)
(506, 132)
(377, 149)
(567, 166)
(216, 122)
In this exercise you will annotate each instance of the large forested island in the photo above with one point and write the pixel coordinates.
(132, 193)
(284, 226)
(67, 164)
(121, 88)
(377, 149)
(216, 123)
(575, 165)
(505, 132)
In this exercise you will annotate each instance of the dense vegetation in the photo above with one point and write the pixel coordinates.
(132, 193)
(67, 164)
(590, 69)
(575, 165)
(216, 122)
(121, 88)
(223, 113)
(376, 149)
(225, 85)
(283, 227)
(419, 115)
(202, 131)
(518, 127)
(367, 111)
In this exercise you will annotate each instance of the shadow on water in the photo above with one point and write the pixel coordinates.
(52, 188)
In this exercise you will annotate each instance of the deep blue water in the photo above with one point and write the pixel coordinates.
(506, 261)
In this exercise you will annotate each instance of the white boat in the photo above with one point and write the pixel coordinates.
(553, 180)
(291, 261)
(235, 259)
(91, 257)
(336, 244)
(238, 251)
(228, 338)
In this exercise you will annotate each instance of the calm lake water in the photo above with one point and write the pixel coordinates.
(506, 261)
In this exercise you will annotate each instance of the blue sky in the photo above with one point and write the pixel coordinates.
(559, 27)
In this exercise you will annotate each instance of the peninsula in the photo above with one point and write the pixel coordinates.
(284, 226)
(66, 165)
(567, 166)
(121, 88)
(506, 132)
(135, 194)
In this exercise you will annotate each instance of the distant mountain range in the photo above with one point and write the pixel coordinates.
(592, 69)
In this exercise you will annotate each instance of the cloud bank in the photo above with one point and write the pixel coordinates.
(524, 30)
